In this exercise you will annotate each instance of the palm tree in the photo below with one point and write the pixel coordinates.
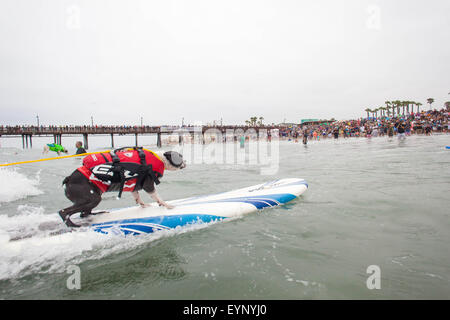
(405, 105)
(393, 104)
(398, 103)
(367, 110)
(412, 106)
(388, 104)
(447, 105)
(252, 121)
(418, 104)
(376, 112)
(430, 101)
(393, 107)
(260, 121)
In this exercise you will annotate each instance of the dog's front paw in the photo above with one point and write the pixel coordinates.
(144, 205)
(166, 205)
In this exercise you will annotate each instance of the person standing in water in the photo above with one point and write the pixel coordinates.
(390, 130)
(368, 131)
(305, 137)
(401, 130)
(54, 147)
(242, 141)
(80, 149)
(336, 132)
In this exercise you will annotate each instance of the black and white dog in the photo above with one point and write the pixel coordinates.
(85, 195)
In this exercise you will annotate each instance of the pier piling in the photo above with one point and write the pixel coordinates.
(85, 141)
(158, 140)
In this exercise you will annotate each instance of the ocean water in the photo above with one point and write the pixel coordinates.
(376, 201)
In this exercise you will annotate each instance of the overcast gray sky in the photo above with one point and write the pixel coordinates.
(206, 59)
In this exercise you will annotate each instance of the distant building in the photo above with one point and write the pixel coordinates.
(287, 124)
(309, 122)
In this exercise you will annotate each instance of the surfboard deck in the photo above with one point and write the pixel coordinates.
(201, 209)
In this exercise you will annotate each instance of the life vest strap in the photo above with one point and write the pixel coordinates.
(143, 171)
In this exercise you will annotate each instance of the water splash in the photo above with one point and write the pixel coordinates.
(15, 186)
(27, 248)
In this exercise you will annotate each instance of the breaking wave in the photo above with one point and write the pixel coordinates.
(15, 186)
(30, 244)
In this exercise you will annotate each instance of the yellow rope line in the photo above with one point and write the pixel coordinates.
(54, 158)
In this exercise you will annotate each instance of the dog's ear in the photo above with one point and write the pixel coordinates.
(167, 164)
(173, 160)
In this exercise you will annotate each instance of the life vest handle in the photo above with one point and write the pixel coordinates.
(142, 148)
(119, 149)
(154, 153)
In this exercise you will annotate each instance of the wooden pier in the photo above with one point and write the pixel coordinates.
(28, 132)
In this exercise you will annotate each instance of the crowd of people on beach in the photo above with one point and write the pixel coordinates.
(425, 122)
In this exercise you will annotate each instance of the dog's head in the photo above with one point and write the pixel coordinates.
(173, 161)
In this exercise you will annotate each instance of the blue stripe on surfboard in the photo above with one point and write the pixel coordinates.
(258, 201)
(151, 224)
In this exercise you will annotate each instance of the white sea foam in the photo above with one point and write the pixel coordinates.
(40, 252)
(15, 186)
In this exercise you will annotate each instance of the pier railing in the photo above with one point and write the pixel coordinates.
(27, 132)
(57, 130)
(42, 130)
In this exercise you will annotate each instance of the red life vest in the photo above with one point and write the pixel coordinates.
(100, 165)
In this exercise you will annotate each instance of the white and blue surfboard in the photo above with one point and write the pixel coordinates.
(203, 209)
